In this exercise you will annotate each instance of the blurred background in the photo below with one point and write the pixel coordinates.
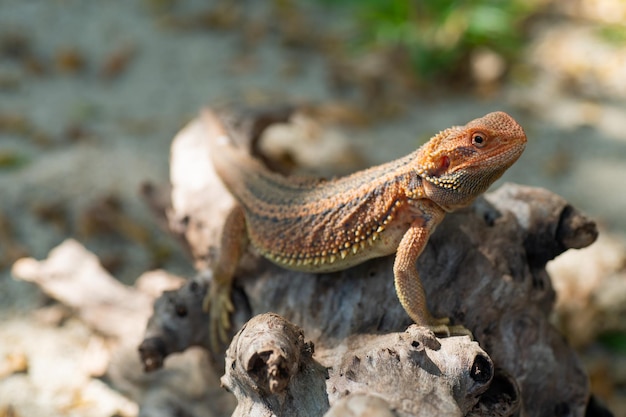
(92, 93)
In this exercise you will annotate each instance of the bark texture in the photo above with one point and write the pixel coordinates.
(271, 371)
(484, 268)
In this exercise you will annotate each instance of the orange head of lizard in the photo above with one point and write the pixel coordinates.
(460, 163)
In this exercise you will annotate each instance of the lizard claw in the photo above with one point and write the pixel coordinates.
(219, 305)
(442, 327)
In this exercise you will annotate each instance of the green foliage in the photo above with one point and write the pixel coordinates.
(615, 341)
(613, 34)
(11, 160)
(438, 35)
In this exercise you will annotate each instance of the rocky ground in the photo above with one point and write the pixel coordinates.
(91, 94)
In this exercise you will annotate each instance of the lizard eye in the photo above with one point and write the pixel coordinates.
(479, 139)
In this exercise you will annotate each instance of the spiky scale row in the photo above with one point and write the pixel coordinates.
(324, 257)
(360, 241)
(448, 183)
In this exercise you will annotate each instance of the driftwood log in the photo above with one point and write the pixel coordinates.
(484, 267)
(117, 315)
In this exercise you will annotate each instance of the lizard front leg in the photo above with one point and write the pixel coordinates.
(218, 302)
(407, 281)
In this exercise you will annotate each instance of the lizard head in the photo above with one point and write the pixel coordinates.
(461, 162)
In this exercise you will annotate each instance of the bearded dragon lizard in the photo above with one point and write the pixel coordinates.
(325, 226)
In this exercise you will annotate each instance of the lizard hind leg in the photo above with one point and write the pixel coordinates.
(217, 302)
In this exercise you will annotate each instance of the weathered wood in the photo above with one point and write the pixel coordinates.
(484, 267)
(272, 371)
(118, 313)
(74, 276)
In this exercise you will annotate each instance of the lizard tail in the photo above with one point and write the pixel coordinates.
(237, 169)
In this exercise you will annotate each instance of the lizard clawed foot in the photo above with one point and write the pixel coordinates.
(442, 327)
(219, 305)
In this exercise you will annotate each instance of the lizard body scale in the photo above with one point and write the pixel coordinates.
(325, 226)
